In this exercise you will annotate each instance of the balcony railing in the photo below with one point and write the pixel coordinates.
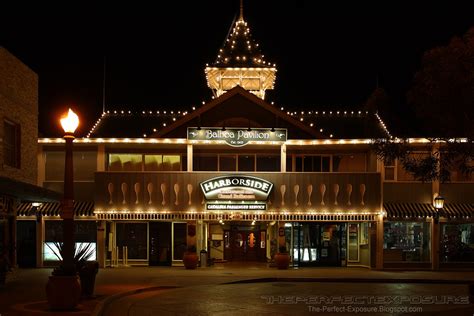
(292, 192)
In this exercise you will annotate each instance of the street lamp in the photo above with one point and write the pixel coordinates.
(69, 124)
(438, 204)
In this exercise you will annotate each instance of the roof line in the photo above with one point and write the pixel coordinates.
(228, 95)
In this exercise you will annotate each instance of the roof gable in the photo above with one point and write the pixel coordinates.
(238, 108)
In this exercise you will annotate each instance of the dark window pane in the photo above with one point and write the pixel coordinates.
(86, 231)
(317, 164)
(227, 163)
(289, 163)
(184, 163)
(299, 164)
(54, 165)
(325, 164)
(246, 163)
(308, 164)
(11, 144)
(268, 163)
(205, 163)
(85, 165)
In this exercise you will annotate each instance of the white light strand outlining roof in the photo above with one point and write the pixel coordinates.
(291, 142)
(383, 125)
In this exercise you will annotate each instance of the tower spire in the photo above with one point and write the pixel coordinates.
(241, 17)
(240, 62)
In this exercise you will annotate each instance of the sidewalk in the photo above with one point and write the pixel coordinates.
(24, 293)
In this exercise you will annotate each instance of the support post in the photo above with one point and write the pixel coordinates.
(190, 157)
(283, 158)
(379, 243)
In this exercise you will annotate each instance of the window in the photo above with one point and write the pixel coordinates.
(268, 163)
(205, 162)
(11, 144)
(146, 162)
(457, 243)
(227, 163)
(246, 162)
(135, 237)
(85, 164)
(313, 163)
(125, 162)
(85, 234)
(406, 241)
(162, 162)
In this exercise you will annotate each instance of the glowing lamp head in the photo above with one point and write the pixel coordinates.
(70, 122)
(439, 202)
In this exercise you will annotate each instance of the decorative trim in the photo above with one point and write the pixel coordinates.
(237, 216)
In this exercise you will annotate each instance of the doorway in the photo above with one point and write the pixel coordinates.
(160, 244)
(26, 241)
(246, 243)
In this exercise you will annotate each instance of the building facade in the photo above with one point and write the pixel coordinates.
(242, 178)
(18, 156)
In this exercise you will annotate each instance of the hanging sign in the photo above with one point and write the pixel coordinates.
(237, 137)
(242, 188)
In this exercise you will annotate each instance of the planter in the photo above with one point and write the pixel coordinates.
(87, 276)
(190, 260)
(282, 260)
(63, 292)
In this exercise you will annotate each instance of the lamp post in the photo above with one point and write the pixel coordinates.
(69, 124)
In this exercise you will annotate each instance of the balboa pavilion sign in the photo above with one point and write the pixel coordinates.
(237, 136)
(241, 192)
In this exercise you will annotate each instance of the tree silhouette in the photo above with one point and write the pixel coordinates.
(442, 92)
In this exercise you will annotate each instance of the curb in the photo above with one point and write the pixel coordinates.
(102, 305)
(355, 280)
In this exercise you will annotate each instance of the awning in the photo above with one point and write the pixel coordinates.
(81, 208)
(27, 192)
(410, 210)
(459, 209)
(416, 210)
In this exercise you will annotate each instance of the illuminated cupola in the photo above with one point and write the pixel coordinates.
(240, 62)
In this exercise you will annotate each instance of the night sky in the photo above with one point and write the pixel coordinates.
(327, 55)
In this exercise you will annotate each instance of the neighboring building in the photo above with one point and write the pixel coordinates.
(18, 158)
(241, 177)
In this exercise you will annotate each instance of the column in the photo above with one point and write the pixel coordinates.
(434, 244)
(39, 241)
(379, 243)
(101, 247)
(190, 157)
(101, 157)
(283, 158)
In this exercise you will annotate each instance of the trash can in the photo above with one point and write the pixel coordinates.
(203, 258)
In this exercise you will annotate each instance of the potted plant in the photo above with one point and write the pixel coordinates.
(282, 258)
(190, 257)
(86, 268)
(63, 289)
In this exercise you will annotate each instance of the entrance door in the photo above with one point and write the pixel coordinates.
(159, 244)
(245, 244)
(26, 241)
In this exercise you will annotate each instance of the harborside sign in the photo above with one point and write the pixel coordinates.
(237, 136)
(241, 188)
